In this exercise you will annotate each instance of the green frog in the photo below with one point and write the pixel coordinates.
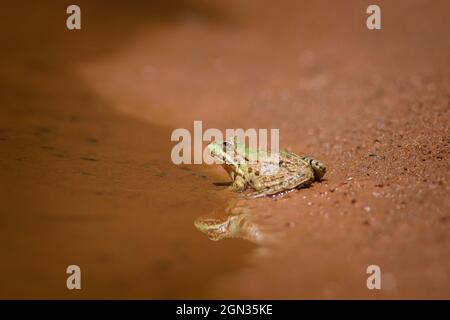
(268, 174)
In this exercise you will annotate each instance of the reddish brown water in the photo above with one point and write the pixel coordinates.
(85, 128)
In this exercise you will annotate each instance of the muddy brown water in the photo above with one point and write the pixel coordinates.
(86, 176)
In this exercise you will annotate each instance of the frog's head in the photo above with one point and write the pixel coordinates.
(228, 153)
(318, 167)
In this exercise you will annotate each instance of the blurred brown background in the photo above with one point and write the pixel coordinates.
(86, 176)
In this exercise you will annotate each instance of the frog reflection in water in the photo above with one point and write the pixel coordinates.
(266, 173)
(237, 223)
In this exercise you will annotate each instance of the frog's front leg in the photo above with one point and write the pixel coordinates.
(239, 184)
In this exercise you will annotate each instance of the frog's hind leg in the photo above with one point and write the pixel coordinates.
(297, 181)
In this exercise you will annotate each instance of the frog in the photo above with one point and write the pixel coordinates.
(265, 173)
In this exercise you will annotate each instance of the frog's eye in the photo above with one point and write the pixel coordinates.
(227, 144)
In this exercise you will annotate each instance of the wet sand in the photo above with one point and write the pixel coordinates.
(86, 174)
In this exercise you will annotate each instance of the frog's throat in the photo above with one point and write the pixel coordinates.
(234, 226)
